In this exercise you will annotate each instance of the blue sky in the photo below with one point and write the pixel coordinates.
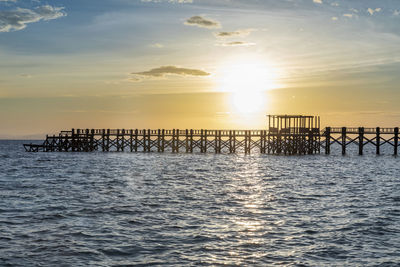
(104, 51)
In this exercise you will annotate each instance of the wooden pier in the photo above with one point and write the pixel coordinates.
(360, 137)
(286, 135)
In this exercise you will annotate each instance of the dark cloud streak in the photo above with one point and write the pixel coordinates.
(202, 22)
(167, 70)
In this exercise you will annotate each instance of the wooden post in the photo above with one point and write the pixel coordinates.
(360, 140)
(378, 140)
(191, 141)
(123, 140)
(278, 143)
(144, 141)
(216, 141)
(230, 141)
(396, 140)
(135, 147)
(118, 140)
(265, 142)
(73, 140)
(310, 141)
(205, 141)
(108, 140)
(92, 140)
(249, 144)
(344, 130)
(149, 140)
(319, 137)
(261, 141)
(86, 140)
(245, 142)
(328, 141)
(173, 141)
(201, 141)
(131, 140)
(162, 140)
(158, 140)
(177, 140)
(234, 142)
(187, 140)
(219, 141)
(103, 143)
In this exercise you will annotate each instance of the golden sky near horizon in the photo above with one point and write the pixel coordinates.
(196, 64)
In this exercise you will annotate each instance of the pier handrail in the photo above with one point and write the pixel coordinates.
(367, 130)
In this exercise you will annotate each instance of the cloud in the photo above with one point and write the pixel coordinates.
(135, 79)
(396, 12)
(15, 20)
(202, 22)
(317, 1)
(335, 18)
(157, 45)
(170, 1)
(237, 44)
(372, 11)
(167, 70)
(238, 33)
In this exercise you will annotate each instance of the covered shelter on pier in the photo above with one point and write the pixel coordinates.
(293, 124)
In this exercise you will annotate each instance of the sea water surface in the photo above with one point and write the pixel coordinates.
(121, 209)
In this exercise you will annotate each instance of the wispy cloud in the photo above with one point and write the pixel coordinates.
(166, 70)
(396, 12)
(237, 44)
(14, 20)
(317, 1)
(157, 45)
(372, 11)
(238, 33)
(202, 22)
(335, 18)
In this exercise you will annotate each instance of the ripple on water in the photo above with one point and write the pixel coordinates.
(181, 209)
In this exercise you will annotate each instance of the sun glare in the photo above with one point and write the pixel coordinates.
(247, 81)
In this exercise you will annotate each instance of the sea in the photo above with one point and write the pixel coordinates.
(164, 209)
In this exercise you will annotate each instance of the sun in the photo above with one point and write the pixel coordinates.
(245, 102)
(247, 81)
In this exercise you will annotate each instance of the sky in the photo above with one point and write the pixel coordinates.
(202, 64)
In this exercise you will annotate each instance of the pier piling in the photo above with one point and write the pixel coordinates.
(344, 140)
(360, 140)
(396, 140)
(378, 140)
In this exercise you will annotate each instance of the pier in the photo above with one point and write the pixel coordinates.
(286, 135)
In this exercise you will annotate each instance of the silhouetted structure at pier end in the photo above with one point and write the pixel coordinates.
(286, 134)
